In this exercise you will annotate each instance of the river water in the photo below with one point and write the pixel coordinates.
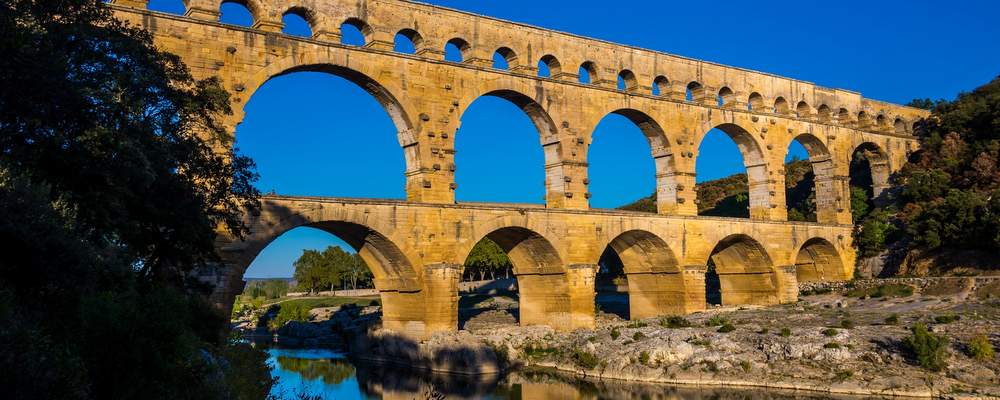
(330, 375)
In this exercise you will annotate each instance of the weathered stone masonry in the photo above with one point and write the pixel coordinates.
(417, 247)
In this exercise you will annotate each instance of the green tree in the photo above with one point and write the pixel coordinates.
(312, 271)
(115, 175)
(358, 273)
(485, 258)
(330, 269)
(269, 289)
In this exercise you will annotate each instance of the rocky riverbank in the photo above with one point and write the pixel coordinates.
(826, 342)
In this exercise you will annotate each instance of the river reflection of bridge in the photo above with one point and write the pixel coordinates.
(327, 374)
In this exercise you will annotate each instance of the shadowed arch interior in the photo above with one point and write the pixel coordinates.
(755, 102)
(844, 117)
(693, 92)
(627, 81)
(745, 272)
(541, 277)
(803, 110)
(864, 120)
(781, 105)
(870, 169)
(655, 282)
(587, 73)
(899, 126)
(661, 86)
(456, 50)
(504, 58)
(824, 113)
(818, 261)
(549, 66)
(394, 275)
(407, 41)
(355, 32)
(725, 96)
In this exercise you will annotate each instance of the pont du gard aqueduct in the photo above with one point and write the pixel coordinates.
(416, 248)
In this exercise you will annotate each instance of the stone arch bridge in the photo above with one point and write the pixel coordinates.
(416, 247)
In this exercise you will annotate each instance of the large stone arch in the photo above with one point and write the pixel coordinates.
(755, 162)
(661, 151)
(878, 162)
(538, 115)
(391, 267)
(397, 109)
(397, 272)
(543, 285)
(826, 186)
(547, 132)
(818, 260)
(746, 272)
(656, 284)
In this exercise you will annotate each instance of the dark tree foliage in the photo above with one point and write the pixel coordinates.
(800, 190)
(114, 178)
(926, 104)
(950, 195)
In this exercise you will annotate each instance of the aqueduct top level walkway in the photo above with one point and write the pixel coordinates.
(674, 100)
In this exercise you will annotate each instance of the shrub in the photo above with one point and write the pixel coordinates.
(980, 348)
(746, 365)
(638, 336)
(831, 345)
(892, 319)
(538, 351)
(885, 291)
(674, 322)
(847, 324)
(843, 375)
(644, 357)
(700, 342)
(638, 324)
(615, 333)
(816, 291)
(716, 320)
(764, 331)
(829, 332)
(585, 359)
(785, 332)
(288, 313)
(929, 349)
(947, 318)
(711, 366)
(726, 328)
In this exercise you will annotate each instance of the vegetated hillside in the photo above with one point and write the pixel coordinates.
(943, 214)
(729, 197)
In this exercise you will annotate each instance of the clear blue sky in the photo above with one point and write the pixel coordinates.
(299, 127)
